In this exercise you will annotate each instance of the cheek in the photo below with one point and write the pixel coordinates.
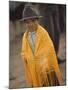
(35, 26)
(25, 26)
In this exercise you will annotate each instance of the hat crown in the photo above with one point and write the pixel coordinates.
(29, 12)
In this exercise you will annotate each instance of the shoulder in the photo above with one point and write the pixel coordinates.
(45, 34)
(43, 31)
(23, 37)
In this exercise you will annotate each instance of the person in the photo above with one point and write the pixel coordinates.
(38, 53)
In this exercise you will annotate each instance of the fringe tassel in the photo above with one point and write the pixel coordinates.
(50, 79)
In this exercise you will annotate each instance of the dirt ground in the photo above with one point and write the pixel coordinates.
(16, 68)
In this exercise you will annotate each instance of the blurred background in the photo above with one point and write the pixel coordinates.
(54, 21)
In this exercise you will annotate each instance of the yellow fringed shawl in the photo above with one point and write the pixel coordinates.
(41, 67)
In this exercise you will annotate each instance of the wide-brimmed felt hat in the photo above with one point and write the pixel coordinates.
(29, 13)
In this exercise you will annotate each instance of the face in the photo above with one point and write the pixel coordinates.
(31, 25)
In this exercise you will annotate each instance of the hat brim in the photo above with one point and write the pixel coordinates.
(34, 17)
